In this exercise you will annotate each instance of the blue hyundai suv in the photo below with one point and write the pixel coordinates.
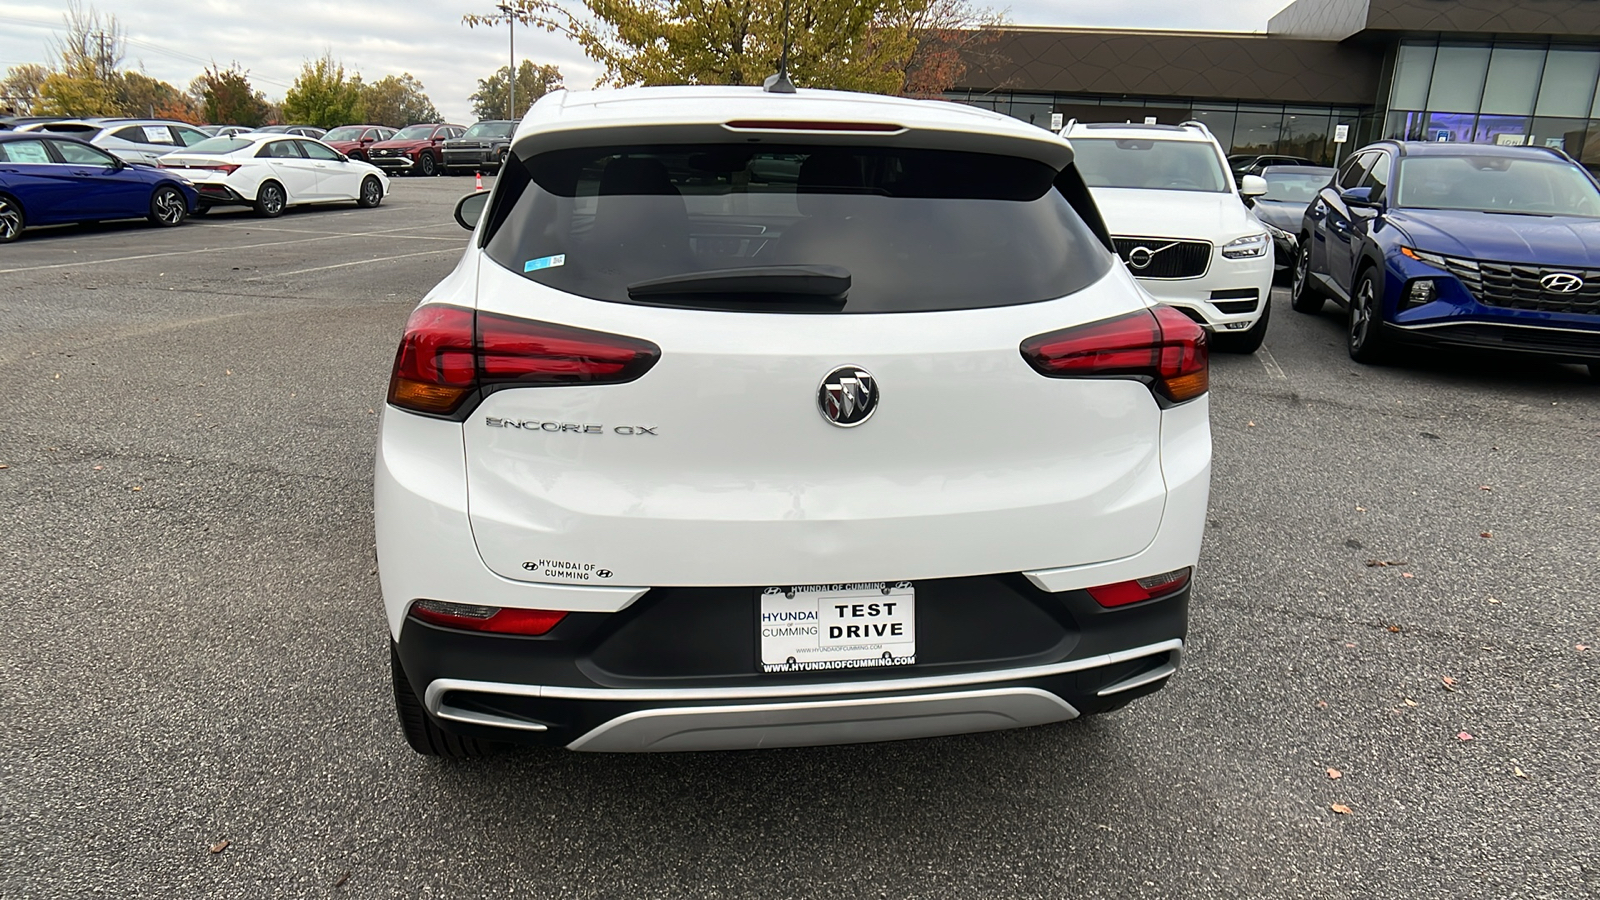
(1457, 245)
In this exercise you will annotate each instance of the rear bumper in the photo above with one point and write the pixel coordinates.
(213, 194)
(1574, 345)
(556, 691)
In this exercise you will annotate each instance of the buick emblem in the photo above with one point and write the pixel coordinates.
(1562, 283)
(848, 396)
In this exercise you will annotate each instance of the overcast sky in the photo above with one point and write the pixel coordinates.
(173, 39)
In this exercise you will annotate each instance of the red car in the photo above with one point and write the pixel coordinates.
(416, 148)
(353, 140)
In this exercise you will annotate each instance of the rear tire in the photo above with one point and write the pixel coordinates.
(12, 219)
(371, 193)
(168, 207)
(270, 200)
(427, 166)
(1365, 323)
(421, 730)
(1247, 341)
(1304, 295)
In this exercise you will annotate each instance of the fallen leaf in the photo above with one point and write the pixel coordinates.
(1484, 487)
(1410, 702)
(1486, 534)
(1334, 774)
(1322, 704)
(1394, 629)
(1517, 771)
(1340, 808)
(1578, 647)
(96, 468)
(1385, 563)
(138, 488)
(1249, 424)
(1493, 600)
(1407, 575)
(342, 879)
(1448, 682)
(4, 466)
(221, 845)
(1350, 645)
(1463, 736)
(1361, 509)
(227, 371)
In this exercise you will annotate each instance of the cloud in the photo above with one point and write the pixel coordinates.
(174, 39)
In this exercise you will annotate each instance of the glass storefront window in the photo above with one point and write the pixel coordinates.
(1563, 134)
(1257, 131)
(1513, 80)
(1448, 126)
(1413, 71)
(1458, 74)
(1219, 121)
(1307, 134)
(1507, 131)
(1567, 87)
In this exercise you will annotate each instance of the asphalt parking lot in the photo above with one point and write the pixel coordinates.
(196, 678)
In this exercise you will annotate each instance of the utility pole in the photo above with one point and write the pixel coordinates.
(511, 83)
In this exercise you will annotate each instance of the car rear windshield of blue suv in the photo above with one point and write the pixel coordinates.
(916, 230)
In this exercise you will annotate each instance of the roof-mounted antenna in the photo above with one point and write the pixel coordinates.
(780, 83)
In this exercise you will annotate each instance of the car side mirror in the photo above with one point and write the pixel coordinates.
(1251, 187)
(1359, 198)
(118, 164)
(469, 209)
(342, 157)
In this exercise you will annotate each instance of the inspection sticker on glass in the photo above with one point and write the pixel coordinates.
(544, 262)
(838, 626)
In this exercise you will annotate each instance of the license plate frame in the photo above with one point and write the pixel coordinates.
(814, 627)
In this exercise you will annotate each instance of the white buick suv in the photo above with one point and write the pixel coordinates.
(755, 420)
(1180, 224)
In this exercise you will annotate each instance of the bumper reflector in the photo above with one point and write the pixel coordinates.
(1124, 592)
(494, 619)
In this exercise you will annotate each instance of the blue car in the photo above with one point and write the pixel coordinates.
(52, 180)
(1457, 245)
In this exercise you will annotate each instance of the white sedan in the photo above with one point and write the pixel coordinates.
(271, 172)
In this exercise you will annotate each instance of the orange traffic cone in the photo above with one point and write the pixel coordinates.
(480, 181)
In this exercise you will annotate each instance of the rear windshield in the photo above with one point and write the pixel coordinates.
(490, 129)
(1295, 186)
(916, 230)
(1152, 164)
(1497, 184)
(219, 145)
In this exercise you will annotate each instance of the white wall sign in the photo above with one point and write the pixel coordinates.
(1341, 133)
(1056, 121)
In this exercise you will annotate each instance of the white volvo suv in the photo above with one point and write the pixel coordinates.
(1181, 225)
(757, 420)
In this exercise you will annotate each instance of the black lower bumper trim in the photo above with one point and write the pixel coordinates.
(1559, 345)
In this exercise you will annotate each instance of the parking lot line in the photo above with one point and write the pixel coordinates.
(357, 262)
(119, 259)
(1270, 363)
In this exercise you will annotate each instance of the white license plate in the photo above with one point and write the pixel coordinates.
(838, 626)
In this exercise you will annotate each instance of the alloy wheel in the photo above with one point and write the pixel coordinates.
(169, 207)
(1361, 315)
(273, 200)
(10, 221)
(1302, 271)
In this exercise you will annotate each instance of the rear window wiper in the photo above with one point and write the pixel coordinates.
(826, 284)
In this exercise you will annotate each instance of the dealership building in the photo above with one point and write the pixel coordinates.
(1488, 71)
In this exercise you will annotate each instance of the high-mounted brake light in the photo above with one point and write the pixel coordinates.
(1124, 592)
(798, 125)
(493, 619)
(448, 354)
(1161, 346)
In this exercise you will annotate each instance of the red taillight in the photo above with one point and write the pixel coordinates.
(224, 168)
(1160, 344)
(448, 353)
(494, 619)
(1124, 592)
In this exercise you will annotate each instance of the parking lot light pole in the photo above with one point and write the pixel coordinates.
(511, 82)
